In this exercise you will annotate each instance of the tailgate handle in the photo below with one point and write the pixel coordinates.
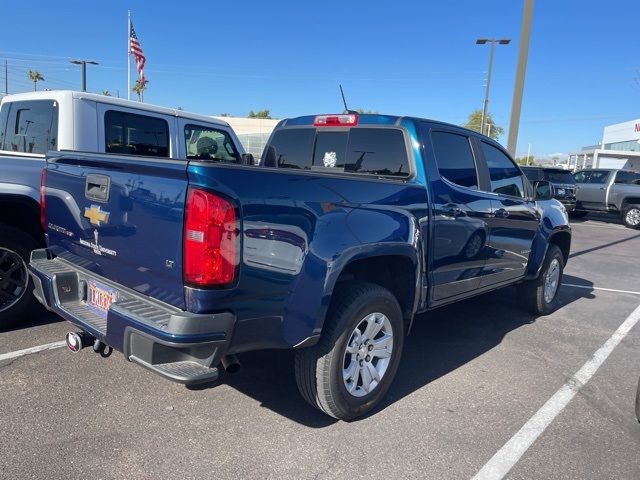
(97, 187)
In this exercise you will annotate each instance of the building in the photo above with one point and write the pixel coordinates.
(620, 148)
(253, 133)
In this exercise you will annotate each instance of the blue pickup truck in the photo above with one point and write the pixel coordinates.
(348, 227)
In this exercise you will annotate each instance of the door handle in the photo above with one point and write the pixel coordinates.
(97, 187)
(452, 211)
(501, 213)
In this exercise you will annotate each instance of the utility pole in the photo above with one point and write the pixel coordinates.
(485, 104)
(6, 78)
(84, 70)
(525, 35)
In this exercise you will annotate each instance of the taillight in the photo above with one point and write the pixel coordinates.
(342, 120)
(211, 240)
(43, 201)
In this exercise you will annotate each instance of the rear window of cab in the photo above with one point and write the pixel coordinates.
(369, 150)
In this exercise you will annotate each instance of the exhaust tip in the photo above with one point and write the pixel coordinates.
(231, 364)
(76, 341)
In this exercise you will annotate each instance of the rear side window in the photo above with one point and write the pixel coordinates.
(505, 177)
(205, 143)
(290, 148)
(598, 177)
(455, 158)
(134, 134)
(377, 151)
(628, 177)
(29, 127)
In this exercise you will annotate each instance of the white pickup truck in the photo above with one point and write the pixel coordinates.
(607, 190)
(32, 124)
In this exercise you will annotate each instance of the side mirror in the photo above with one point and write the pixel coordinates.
(542, 190)
(247, 159)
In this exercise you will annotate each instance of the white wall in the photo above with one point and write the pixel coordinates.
(622, 132)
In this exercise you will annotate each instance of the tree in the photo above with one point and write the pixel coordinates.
(526, 161)
(475, 119)
(139, 88)
(35, 76)
(228, 115)
(106, 93)
(362, 111)
(259, 114)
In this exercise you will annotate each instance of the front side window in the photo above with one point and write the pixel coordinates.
(505, 177)
(133, 134)
(581, 177)
(290, 148)
(598, 177)
(205, 143)
(30, 127)
(454, 158)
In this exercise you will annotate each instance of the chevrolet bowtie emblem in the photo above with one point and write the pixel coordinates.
(95, 215)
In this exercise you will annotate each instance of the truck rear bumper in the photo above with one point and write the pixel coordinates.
(181, 346)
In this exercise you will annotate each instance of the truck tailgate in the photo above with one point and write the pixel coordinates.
(121, 218)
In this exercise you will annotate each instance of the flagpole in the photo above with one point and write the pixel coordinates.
(128, 54)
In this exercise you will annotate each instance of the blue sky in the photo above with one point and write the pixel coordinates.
(409, 58)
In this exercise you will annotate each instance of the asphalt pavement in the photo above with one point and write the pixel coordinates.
(474, 382)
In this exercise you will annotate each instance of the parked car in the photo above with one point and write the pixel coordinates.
(349, 227)
(564, 185)
(32, 124)
(611, 191)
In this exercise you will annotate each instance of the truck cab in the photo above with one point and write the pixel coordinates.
(32, 124)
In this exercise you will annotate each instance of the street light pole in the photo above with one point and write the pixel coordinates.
(84, 70)
(525, 34)
(485, 104)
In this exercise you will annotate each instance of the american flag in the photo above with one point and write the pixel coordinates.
(136, 50)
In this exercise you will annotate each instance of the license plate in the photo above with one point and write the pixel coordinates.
(561, 191)
(100, 297)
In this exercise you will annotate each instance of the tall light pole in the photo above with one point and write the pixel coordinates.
(485, 105)
(84, 70)
(523, 55)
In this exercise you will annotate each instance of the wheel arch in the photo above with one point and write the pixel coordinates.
(22, 213)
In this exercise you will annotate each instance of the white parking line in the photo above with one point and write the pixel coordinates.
(28, 351)
(599, 288)
(504, 460)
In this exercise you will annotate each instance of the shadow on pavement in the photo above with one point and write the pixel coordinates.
(440, 342)
(39, 316)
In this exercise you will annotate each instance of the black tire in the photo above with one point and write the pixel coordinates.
(578, 214)
(630, 213)
(319, 369)
(531, 293)
(12, 242)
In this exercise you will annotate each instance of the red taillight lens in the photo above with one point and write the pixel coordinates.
(350, 120)
(43, 199)
(211, 240)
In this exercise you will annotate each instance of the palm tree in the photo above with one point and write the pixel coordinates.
(35, 76)
(139, 88)
(106, 93)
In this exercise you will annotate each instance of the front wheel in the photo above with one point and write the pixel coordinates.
(631, 216)
(540, 295)
(349, 371)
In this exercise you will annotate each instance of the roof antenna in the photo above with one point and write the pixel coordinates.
(346, 109)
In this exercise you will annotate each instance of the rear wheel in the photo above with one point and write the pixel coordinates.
(16, 299)
(540, 295)
(631, 216)
(350, 370)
